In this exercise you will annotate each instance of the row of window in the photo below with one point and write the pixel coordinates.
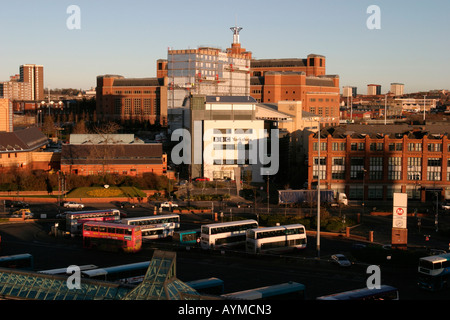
(379, 146)
(376, 168)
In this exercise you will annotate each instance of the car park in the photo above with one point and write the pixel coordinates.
(73, 205)
(341, 260)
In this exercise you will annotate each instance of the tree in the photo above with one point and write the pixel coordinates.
(80, 127)
(49, 127)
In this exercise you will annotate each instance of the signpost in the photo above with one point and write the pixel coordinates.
(399, 221)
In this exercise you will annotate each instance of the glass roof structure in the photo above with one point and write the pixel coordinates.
(160, 283)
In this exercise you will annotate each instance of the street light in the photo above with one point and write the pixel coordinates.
(318, 193)
(364, 187)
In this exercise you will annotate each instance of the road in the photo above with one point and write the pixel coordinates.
(239, 271)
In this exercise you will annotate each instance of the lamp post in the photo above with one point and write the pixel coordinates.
(424, 107)
(364, 191)
(318, 193)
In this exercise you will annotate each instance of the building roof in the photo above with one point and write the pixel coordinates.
(379, 131)
(278, 63)
(111, 154)
(230, 99)
(138, 82)
(22, 141)
(267, 111)
(104, 139)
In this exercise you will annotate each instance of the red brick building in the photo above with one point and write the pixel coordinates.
(374, 161)
(141, 99)
(302, 80)
(120, 159)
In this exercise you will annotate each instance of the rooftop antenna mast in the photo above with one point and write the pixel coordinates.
(236, 31)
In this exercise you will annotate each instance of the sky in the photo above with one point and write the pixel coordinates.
(411, 45)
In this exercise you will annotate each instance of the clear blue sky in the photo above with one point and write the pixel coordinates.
(127, 37)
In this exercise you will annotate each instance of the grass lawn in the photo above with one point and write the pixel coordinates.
(111, 192)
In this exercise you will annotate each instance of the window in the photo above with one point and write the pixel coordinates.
(147, 106)
(414, 168)
(357, 168)
(395, 168)
(338, 168)
(319, 168)
(376, 168)
(127, 106)
(137, 106)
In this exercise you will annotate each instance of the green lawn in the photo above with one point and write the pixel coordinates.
(100, 192)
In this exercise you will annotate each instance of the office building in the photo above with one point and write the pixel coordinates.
(374, 161)
(132, 99)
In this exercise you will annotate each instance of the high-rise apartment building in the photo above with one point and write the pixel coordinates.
(397, 89)
(29, 85)
(373, 89)
(34, 75)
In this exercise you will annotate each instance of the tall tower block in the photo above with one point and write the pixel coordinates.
(6, 116)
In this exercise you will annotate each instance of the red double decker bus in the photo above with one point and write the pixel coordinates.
(112, 236)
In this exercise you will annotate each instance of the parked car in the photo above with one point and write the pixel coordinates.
(73, 205)
(22, 213)
(446, 205)
(61, 215)
(341, 260)
(201, 179)
(15, 204)
(244, 205)
(127, 204)
(168, 204)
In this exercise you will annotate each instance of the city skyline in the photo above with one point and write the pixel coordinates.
(128, 39)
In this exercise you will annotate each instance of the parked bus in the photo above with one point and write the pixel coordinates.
(132, 273)
(75, 220)
(155, 227)
(187, 237)
(279, 238)
(63, 271)
(225, 234)
(24, 261)
(384, 293)
(112, 236)
(434, 272)
(214, 286)
(283, 291)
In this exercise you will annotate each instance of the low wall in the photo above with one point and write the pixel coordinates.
(386, 214)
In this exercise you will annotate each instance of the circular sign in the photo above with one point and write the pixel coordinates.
(399, 211)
